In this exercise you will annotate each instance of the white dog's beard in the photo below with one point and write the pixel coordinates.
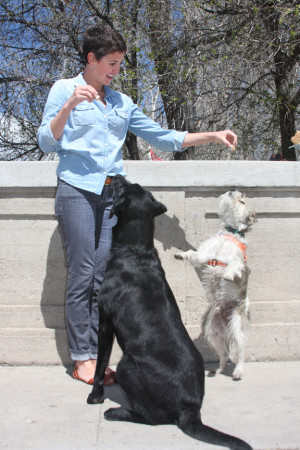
(233, 211)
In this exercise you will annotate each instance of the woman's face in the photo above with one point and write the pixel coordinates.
(107, 67)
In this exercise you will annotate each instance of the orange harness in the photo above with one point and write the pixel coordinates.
(242, 247)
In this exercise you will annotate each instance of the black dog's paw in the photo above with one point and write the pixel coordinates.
(110, 414)
(94, 400)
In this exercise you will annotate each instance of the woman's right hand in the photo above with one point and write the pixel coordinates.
(82, 93)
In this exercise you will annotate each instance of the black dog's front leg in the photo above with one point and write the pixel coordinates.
(105, 342)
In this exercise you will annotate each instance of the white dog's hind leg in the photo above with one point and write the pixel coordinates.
(239, 368)
(221, 348)
(238, 339)
(233, 270)
(219, 345)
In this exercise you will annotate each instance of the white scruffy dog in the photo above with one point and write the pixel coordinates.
(224, 274)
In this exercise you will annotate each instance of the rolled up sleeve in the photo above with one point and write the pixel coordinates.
(153, 133)
(56, 99)
(46, 140)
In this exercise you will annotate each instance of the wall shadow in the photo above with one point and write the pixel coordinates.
(167, 231)
(171, 235)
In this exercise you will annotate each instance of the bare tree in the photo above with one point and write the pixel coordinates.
(39, 45)
(263, 48)
(191, 64)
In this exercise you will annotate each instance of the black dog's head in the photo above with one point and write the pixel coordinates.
(131, 199)
(135, 209)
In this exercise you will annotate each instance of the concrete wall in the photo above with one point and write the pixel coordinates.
(33, 270)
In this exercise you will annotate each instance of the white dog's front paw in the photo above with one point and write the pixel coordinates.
(179, 255)
(229, 274)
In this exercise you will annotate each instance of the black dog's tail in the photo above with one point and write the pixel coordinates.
(193, 427)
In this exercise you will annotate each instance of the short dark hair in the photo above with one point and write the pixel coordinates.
(102, 41)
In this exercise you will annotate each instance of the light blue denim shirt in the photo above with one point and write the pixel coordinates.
(90, 148)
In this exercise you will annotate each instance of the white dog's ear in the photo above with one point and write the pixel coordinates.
(252, 218)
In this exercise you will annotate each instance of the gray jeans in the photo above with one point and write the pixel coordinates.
(86, 229)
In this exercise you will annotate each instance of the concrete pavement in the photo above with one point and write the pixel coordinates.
(44, 408)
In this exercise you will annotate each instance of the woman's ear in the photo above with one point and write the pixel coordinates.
(91, 58)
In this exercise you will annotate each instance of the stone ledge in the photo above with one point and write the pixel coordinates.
(170, 174)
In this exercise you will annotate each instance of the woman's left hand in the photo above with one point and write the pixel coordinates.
(227, 137)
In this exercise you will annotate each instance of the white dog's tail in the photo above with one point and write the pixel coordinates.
(193, 427)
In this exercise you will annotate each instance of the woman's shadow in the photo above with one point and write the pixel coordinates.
(53, 300)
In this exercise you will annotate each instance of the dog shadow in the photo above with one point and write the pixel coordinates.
(169, 232)
(116, 394)
(211, 369)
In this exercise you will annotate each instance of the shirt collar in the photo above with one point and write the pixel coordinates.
(79, 80)
(108, 91)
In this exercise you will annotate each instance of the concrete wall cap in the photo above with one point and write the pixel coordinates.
(155, 174)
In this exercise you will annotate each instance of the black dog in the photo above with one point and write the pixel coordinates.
(161, 370)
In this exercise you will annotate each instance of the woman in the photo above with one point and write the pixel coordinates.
(86, 123)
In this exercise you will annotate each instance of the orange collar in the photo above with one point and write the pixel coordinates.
(242, 247)
(215, 262)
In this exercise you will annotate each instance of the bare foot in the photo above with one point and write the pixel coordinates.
(85, 370)
(110, 375)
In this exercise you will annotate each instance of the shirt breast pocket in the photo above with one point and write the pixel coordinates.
(84, 115)
(118, 120)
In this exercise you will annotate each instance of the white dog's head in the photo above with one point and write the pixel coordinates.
(233, 211)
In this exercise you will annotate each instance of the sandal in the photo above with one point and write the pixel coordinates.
(110, 377)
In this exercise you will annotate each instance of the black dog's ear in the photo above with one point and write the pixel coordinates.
(158, 208)
(118, 205)
(119, 199)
